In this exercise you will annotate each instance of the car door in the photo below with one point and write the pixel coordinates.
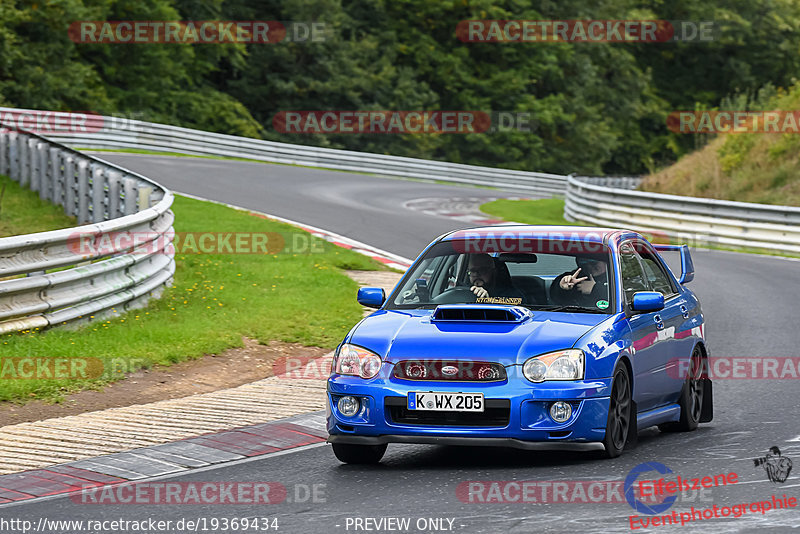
(644, 332)
(671, 345)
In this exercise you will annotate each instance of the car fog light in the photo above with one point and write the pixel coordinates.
(560, 411)
(348, 406)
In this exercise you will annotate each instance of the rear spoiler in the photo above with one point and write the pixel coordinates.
(687, 267)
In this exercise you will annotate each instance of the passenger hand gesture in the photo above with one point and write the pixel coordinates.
(569, 281)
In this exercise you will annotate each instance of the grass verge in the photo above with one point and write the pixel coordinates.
(543, 211)
(23, 212)
(215, 300)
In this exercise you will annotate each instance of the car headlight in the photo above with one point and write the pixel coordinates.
(356, 361)
(560, 365)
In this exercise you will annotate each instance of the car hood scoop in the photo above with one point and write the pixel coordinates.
(483, 313)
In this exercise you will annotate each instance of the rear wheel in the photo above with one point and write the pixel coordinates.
(359, 454)
(691, 401)
(618, 425)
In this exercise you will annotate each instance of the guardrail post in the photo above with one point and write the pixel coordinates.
(144, 197)
(35, 164)
(98, 194)
(56, 176)
(22, 160)
(43, 170)
(68, 184)
(129, 188)
(114, 204)
(83, 192)
(3, 149)
(46, 174)
(13, 156)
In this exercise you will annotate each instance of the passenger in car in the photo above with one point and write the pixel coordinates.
(585, 287)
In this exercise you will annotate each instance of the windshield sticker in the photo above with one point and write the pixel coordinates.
(499, 300)
(602, 304)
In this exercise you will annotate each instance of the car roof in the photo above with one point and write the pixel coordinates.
(544, 232)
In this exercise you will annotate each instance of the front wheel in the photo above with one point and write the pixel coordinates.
(358, 454)
(618, 425)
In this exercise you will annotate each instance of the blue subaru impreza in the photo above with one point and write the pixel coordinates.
(518, 335)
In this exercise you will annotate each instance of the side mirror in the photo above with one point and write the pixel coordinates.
(372, 297)
(647, 301)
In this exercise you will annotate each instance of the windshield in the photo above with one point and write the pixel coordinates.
(560, 278)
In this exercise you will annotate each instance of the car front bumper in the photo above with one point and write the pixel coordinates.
(520, 413)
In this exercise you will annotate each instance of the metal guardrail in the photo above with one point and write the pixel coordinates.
(51, 278)
(698, 221)
(604, 201)
(114, 133)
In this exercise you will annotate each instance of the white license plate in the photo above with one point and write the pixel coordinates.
(445, 402)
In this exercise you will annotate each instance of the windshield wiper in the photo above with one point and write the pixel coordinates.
(578, 309)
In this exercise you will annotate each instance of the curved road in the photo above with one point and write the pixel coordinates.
(362, 207)
(750, 304)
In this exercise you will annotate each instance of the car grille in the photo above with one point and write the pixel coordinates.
(496, 413)
(450, 370)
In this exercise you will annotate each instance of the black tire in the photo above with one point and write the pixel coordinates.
(691, 399)
(618, 424)
(358, 454)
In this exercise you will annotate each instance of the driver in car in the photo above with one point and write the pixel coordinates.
(586, 287)
(486, 280)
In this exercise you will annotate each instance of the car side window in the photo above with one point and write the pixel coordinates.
(633, 278)
(654, 271)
